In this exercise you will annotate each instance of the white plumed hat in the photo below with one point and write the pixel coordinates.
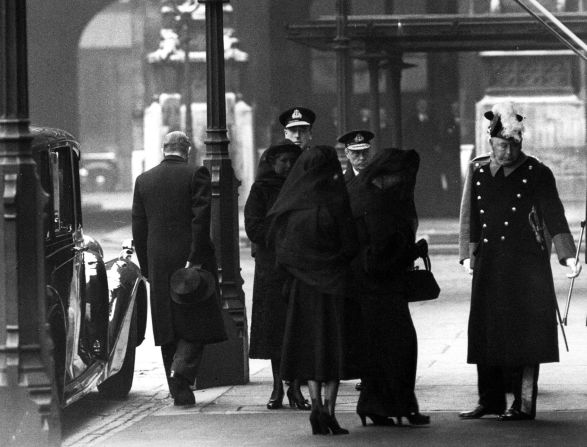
(505, 122)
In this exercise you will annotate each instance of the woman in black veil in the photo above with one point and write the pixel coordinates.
(269, 307)
(315, 239)
(382, 202)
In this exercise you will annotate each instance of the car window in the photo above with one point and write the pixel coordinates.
(62, 194)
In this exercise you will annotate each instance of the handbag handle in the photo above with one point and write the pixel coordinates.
(427, 263)
(422, 247)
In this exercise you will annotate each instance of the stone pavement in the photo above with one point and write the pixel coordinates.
(236, 415)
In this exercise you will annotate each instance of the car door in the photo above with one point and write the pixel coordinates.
(65, 254)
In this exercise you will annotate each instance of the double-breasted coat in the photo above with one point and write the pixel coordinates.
(171, 225)
(512, 320)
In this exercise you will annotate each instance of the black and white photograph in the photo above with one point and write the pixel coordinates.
(230, 223)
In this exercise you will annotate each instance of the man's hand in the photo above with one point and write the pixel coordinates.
(467, 266)
(574, 266)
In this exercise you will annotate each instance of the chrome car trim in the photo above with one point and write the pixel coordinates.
(84, 384)
(118, 352)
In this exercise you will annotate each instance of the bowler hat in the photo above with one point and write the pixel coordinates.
(192, 286)
(297, 116)
(356, 140)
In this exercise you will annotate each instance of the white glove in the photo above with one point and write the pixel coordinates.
(574, 266)
(467, 266)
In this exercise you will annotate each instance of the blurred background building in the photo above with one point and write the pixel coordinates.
(95, 64)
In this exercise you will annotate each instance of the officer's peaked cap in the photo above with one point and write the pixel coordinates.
(297, 116)
(356, 140)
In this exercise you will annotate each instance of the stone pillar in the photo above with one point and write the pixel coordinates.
(28, 412)
(344, 86)
(395, 66)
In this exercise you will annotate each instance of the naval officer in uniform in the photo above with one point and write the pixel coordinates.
(297, 126)
(509, 211)
(357, 148)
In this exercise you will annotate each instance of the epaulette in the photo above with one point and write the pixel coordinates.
(481, 160)
(535, 158)
(482, 157)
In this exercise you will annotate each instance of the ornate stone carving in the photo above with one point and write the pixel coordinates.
(529, 73)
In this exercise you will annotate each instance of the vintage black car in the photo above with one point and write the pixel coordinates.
(96, 310)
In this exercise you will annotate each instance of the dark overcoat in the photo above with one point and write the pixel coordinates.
(386, 223)
(171, 225)
(269, 305)
(512, 320)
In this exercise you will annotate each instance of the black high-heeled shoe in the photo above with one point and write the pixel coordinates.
(318, 427)
(376, 419)
(417, 419)
(332, 424)
(297, 401)
(276, 400)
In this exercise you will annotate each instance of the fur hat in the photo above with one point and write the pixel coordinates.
(281, 147)
(505, 122)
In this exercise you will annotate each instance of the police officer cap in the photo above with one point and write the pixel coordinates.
(297, 116)
(356, 140)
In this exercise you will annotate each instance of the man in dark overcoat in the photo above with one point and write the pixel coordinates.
(510, 204)
(171, 229)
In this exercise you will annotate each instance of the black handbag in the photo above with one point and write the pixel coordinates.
(421, 284)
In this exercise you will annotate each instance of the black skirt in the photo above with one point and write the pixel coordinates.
(313, 342)
(390, 357)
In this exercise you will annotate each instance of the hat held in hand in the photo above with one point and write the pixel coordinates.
(192, 286)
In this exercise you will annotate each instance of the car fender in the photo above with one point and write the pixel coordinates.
(127, 292)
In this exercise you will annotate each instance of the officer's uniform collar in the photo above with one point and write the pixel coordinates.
(507, 170)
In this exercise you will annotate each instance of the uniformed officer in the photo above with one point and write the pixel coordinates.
(357, 147)
(510, 202)
(297, 125)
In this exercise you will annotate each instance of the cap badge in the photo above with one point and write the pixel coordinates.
(296, 115)
(359, 138)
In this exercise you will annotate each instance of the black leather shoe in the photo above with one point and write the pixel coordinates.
(276, 400)
(514, 415)
(182, 393)
(478, 412)
(297, 400)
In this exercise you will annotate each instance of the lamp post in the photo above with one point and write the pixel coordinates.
(28, 413)
(230, 357)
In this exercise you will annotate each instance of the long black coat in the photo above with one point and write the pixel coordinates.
(171, 225)
(386, 223)
(512, 320)
(269, 306)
